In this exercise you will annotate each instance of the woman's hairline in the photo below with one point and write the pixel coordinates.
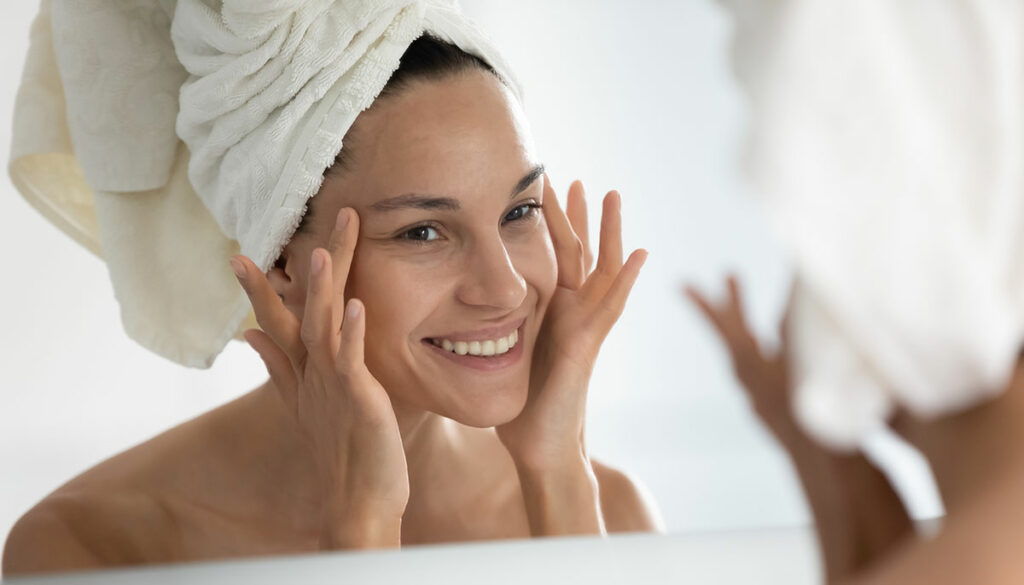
(400, 81)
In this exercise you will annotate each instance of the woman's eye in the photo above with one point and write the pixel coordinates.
(523, 211)
(422, 233)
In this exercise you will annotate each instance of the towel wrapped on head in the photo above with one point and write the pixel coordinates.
(887, 143)
(167, 135)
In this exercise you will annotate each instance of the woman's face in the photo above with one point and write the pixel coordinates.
(453, 256)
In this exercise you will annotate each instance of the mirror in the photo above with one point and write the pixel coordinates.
(637, 98)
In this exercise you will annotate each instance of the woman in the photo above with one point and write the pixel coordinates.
(429, 332)
(899, 204)
(865, 533)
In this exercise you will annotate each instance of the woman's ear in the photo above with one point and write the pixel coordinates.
(286, 277)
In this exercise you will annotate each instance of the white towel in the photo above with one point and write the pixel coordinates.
(167, 135)
(887, 142)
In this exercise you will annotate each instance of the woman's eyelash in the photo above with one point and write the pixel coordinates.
(531, 210)
(421, 234)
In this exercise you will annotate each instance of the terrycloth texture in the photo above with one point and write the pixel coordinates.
(887, 140)
(167, 135)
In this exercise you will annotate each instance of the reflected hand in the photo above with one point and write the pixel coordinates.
(548, 433)
(764, 375)
(858, 517)
(341, 410)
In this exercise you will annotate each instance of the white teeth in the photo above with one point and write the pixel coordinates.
(488, 347)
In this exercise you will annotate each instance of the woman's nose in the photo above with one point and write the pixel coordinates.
(492, 279)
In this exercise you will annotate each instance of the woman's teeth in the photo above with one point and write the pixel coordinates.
(483, 348)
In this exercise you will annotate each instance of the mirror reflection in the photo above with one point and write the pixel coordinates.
(359, 277)
(428, 312)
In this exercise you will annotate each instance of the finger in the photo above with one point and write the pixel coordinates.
(568, 248)
(353, 333)
(742, 342)
(735, 305)
(736, 316)
(277, 363)
(342, 247)
(737, 338)
(787, 315)
(710, 313)
(576, 209)
(271, 314)
(316, 319)
(609, 259)
(615, 300)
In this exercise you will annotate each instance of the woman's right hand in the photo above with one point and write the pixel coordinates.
(341, 410)
(763, 374)
(857, 514)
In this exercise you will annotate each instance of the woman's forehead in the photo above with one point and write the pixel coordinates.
(453, 138)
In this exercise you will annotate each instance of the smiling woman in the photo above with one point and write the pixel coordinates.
(430, 331)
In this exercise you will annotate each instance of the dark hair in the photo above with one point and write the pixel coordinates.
(426, 58)
(430, 58)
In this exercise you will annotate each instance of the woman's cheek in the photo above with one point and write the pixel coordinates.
(378, 282)
(399, 295)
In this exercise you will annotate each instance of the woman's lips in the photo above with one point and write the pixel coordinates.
(483, 363)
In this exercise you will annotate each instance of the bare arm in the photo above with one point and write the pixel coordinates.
(858, 517)
(562, 499)
(857, 514)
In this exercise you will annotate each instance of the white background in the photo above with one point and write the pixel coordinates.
(635, 96)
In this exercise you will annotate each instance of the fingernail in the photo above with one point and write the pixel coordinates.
(316, 264)
(353, 309)
(342, 220)
(238, 268)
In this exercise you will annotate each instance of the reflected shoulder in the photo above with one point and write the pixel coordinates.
(45, 540)
(76, 531)
(626, 504)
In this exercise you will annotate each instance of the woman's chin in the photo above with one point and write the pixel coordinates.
(492, 411)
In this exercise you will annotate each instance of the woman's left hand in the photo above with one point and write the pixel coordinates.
(547, 437)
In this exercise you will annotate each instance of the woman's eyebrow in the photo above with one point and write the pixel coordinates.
(417, 202)
(432, 203)
(528, 180)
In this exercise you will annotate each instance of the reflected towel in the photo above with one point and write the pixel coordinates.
(167, 135)
(887, 142)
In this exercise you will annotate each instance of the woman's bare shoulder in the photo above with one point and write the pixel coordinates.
(74, 530)
(626, 504)
(114, 513)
